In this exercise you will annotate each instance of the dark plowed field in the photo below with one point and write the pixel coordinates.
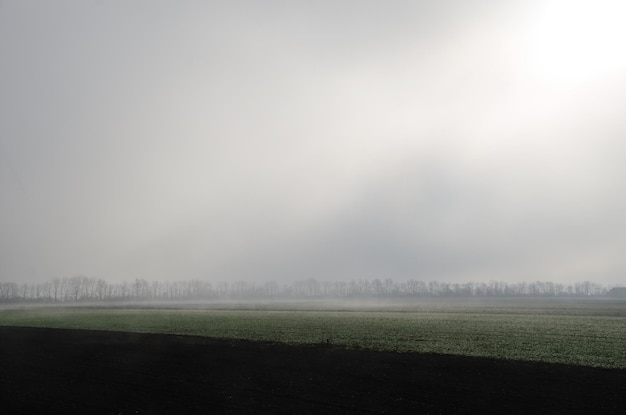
(52, 371)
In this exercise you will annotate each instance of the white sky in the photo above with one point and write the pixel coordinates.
(275, 140)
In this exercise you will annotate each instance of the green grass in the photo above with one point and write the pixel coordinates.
(591, 340)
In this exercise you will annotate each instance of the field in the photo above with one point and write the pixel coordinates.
(591, 332)
(343, 358)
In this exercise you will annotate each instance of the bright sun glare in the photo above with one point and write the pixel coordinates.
(577, 40)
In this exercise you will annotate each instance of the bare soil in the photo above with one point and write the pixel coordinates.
(50, 371)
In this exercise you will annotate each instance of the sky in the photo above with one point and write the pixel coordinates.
(457, 141)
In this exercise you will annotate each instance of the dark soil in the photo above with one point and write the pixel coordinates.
(53, 371)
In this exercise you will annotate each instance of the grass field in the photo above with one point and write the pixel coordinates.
(590, 333)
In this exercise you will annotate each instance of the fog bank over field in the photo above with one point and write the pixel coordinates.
(452, 141)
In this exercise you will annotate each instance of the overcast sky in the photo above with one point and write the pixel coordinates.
(279, 140)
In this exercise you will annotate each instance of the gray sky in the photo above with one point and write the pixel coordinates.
(276, 140)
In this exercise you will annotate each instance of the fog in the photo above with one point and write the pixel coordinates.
(452, 140)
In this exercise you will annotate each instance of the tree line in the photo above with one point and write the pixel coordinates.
(82, 288)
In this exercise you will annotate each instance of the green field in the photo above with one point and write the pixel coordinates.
(589, 333)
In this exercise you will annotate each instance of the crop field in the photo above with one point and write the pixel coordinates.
(592, 333)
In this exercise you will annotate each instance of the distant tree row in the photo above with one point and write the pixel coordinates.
(82, 288)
